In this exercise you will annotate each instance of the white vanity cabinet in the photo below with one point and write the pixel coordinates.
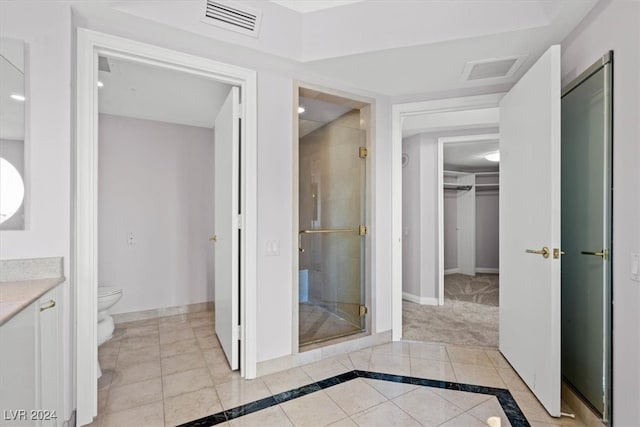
(31, 365)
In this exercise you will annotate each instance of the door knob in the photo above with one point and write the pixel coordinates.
(544, 252)
(213, 239)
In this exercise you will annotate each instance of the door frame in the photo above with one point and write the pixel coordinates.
(398, 113)
(85, 188)
(295, 198)
(441, 142)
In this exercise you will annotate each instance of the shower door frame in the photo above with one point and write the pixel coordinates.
(295, 154)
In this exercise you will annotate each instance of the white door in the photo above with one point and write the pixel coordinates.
(466, 213)
(227, 176)
(530, 221)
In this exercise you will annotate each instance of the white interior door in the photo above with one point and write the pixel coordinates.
(227, 176)
(530, 220)
(466, 222)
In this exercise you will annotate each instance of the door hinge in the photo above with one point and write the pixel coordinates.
(362, 310)
(363, 152)
(557, 252)
(238, 333)
(239, 224)
(363, 230)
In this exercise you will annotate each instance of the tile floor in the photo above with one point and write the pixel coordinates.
(171, 370)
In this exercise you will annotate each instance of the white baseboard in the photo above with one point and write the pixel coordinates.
(451, 271)
(161, 312)
(419, 300)
(488, 270)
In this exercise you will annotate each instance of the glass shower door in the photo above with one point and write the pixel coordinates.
(586, 238)
(331, 249)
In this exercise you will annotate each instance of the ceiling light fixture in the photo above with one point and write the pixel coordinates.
(18, 97)
(300, 110)
(100, 84)
(493, 157)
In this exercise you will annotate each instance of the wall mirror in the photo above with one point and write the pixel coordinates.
(13, 100)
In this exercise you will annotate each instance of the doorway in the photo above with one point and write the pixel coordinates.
(90, 46)
(332, 234)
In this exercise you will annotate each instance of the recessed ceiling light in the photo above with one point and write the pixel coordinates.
(493, 157)
(300, 110)
(17, 97)
(100, 84)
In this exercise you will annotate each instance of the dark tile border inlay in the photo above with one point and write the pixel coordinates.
(507, 402)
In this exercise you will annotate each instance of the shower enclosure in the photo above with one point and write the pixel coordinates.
(332, 230)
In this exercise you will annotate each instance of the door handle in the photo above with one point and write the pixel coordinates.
(214, 238)
(320, 231)
(544, 252)
(604, 254)
(48, 305)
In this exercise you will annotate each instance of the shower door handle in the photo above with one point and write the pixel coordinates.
(320, 231)
(604, 253)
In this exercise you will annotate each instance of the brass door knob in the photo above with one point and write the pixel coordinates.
(213, 239)
(544, 252)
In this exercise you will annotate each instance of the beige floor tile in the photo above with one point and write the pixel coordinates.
(466, 420)
(150, 415)
(497, 359)
(398, 348)
(105, 379)
(207, 322)
(488, 410)
(132, 357)
(108, 357)
(387, 415)
(204, 331)
(432, 370)
(355, 396)
(177, 335)
(236, 393)
(360, 359)
(214, 355)
(136, 372)
(390, 364)
(512, 380)
(286, 380)
(137, 343)
(139, 331)
(97, 422)
(345, 422)
(427, 407)
(175, 319)
(136, 323)
(270, 417)
(182, 362)
(431, 351)
(324, 369)
(461, 399)
(103, 396)
(534, 411)
(470, 356)
(132, 395)
(390, 389)
(478, 375)
(184, 382)
(208, 342)
(315, 409)
(191, 406)
(221, 372)
(178, 347)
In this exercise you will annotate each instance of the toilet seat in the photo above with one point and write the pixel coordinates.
(105, 291)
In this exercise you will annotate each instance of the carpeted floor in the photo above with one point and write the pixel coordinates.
(469, 315)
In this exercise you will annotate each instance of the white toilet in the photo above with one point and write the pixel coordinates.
(107, 297)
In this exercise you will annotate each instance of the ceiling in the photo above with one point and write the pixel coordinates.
(306, 6)
(11, 82)
(142, 91)
(469, 155)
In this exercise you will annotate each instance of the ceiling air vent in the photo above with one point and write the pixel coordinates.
(500, 68)
(234, 17)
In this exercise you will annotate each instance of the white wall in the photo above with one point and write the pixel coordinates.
(411, 217)
(46, 29)
(450, 212)
(615, 25)
(487, 225)
(156, 180)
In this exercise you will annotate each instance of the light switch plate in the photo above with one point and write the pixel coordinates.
(635, 267)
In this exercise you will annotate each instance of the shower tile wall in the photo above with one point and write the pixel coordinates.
(331, 182)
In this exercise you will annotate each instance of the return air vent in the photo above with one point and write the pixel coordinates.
(234, 17)
(494, 69)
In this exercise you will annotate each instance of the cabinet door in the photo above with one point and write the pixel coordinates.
(50, 359)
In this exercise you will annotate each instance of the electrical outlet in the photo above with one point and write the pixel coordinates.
(131, 238)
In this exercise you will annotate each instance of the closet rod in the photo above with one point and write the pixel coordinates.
(459, 187)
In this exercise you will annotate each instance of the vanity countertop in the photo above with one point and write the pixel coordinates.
(16, 296)
(23, 281)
